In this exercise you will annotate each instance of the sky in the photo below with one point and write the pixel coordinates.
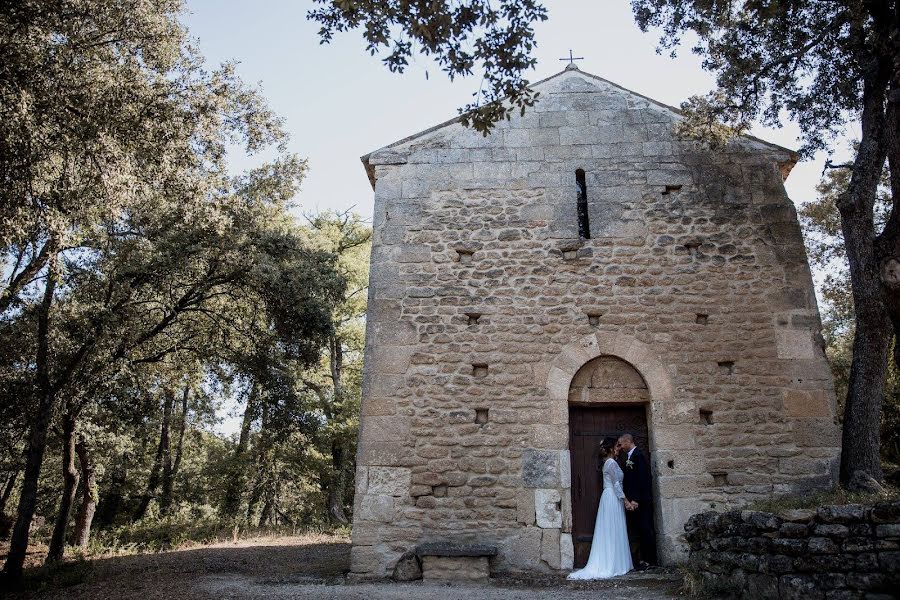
(339, 103)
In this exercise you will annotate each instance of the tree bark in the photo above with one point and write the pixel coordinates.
(89, 495)
(70, 488)
(37, 442)
(7, 490)
(168, 481)
(337, 481)
(162, 457)
(888, 242)
(237, 484)
(262, 466)
(862, 413)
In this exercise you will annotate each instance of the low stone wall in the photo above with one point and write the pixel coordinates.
(832, 553)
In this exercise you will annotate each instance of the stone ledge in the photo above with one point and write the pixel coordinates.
(454, 549)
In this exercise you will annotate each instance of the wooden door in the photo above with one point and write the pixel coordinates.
(588, 425)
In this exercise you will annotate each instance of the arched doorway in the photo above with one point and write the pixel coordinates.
(607, 397)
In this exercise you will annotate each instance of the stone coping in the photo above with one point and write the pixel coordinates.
(455, 549)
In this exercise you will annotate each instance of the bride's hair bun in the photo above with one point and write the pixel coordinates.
(608, 445)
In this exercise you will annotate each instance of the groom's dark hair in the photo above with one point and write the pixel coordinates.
(627, 436)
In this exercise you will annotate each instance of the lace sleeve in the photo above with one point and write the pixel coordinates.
(610, 469)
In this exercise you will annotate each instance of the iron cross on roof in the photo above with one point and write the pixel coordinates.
(572, 60)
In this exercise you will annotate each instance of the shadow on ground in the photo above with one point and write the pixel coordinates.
(300, 567)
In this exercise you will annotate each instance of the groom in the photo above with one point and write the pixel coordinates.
(638, 499)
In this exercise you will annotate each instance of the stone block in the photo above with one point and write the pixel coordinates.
(549, 436)
(522, 550)
(525, 507)
(548, 510)
(806, 403)
(848, 513)
(567, 552)
(540, 468)
(550, 548)
(455, 568)
(408, 568)
(795, 344)
(389, 481)
(385, 454)
(385, 429)
(365, 559)
(377, 508)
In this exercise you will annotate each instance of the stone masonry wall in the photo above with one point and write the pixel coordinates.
(484, 304)
(835, 553)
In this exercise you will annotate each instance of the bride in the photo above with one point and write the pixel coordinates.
(610, 554)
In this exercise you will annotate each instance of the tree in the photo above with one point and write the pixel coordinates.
(461, 36)
(825, 245)
(823, 64)
(337, 382)
(121, 232)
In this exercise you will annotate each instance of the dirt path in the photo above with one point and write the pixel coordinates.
(308, 567)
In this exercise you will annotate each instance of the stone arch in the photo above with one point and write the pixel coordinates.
(608, 379)
(638, 354)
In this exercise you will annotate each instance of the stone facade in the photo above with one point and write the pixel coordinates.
(692, 297)
(836, 553)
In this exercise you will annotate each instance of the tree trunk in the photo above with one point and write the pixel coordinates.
(7, 490)
(262, 466)
(237, 483)
(862, 413)
(168, 481)
(70, 488)
(109, 508)
(37, 442)
(337, 480)
(162, 456)
(888, 242)
(89, 495)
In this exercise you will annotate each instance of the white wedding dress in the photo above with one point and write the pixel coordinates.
(610, 554)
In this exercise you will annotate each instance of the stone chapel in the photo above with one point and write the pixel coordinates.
(580, 272)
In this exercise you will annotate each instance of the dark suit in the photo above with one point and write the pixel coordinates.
(638, 487)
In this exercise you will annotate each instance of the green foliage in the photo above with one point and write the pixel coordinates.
(138, 270)
(773, 59)
(462, 37)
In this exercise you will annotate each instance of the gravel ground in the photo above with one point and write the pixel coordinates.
(307, 567)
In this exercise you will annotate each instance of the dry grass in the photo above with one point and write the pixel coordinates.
(838, 496)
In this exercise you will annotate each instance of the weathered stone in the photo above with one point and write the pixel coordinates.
(821, 545)
(525, 506)
(389, 481)
(567, 551)
(886, 512)
(801, 515)
(550, 548)
(848, 513)
(888, 530)
(408, 568)
(455, 568)
(833, 531)
(547, 509)
(377, 508)
(540, 468)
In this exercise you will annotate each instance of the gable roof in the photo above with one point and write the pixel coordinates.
(370, 171)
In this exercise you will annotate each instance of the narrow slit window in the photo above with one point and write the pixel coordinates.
(584, 226)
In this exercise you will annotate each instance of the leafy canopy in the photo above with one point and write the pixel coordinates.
(462, 36)
(805, 59)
